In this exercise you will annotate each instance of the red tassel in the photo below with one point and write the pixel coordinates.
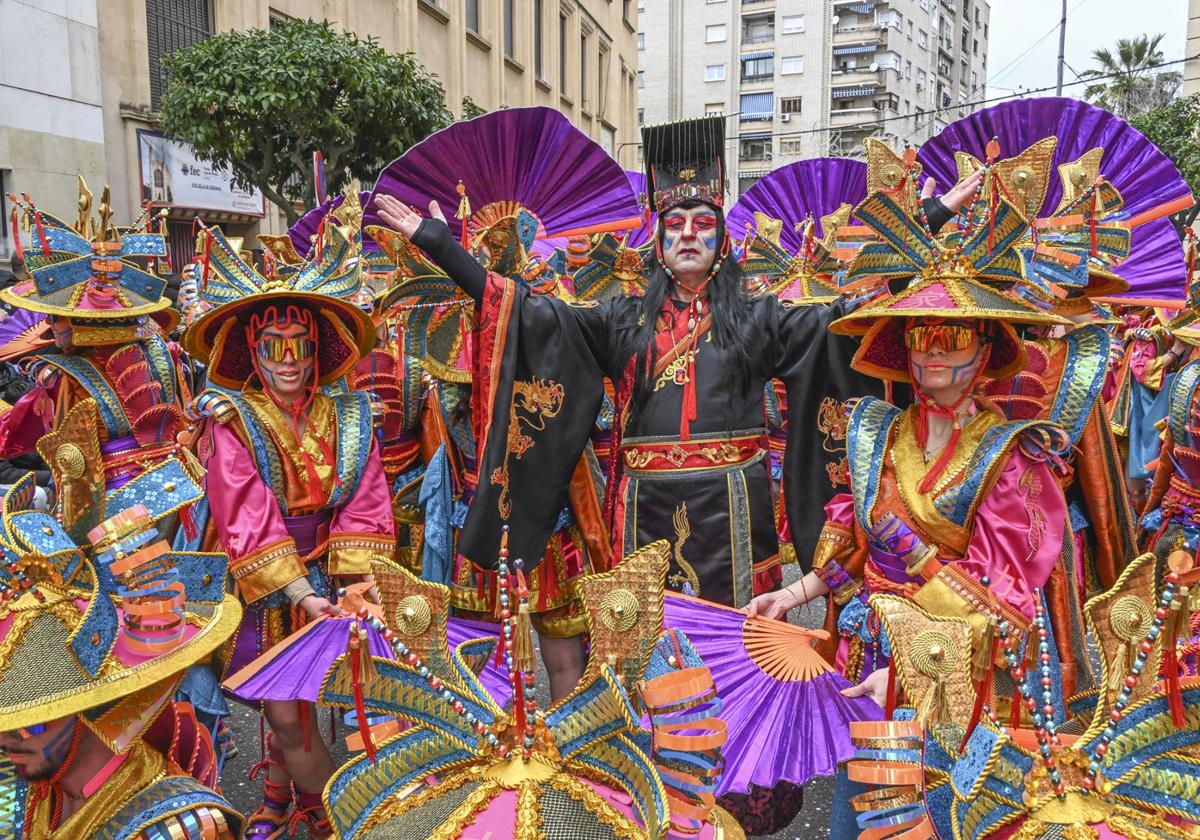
(360, 709)
(316, 493)
(187, 518)
(1170, 666)
(890, 708)
(982, 692)
(1014, 713)
(20, 252)
(320, 238)
(41, 232)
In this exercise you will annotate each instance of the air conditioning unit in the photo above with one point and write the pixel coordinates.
(785, 117)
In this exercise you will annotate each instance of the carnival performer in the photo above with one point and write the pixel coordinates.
(504, 207)
(97, 637)
(108, 318)
(941, 490)
(296, 489)
(690, 358)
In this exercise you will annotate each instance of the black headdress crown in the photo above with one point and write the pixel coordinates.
(685, 161)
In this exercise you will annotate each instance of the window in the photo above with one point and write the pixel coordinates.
(757, 106)
(791, 148)
(583, 77)
(625, 10)
(920, 80)
(641, 40)
(641, 116)
(907, 69)
(510, 35)
(792, 24)
(714, 33)
(975, 46)
(745, 182)
(791, 64)
(714, 109)
(562, 53)
(758, 67)
(473, 16)
(172, 25)
(539, 25)
(922, 39)
(641, 78)
(276, 19)
(974, 79)
(714, 73)
(754, 147)
(758, 29)
(789, 105)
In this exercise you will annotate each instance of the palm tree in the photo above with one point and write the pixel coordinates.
(1126, 83)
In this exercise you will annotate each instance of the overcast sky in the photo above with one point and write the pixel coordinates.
(1023, 37)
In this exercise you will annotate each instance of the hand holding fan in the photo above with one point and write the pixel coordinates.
(787, 719)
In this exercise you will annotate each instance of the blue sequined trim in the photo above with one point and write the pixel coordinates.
(1082, 379)
(866, 442)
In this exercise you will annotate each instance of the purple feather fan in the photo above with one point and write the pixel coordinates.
(534, 156)
(21, 333)
(1145, 177)
(782, 703)
(305, 228)
(806, 188)
(295, 669)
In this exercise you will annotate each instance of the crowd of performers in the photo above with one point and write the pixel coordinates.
(518, 409)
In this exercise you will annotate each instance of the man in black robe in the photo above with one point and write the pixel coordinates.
(689, 360)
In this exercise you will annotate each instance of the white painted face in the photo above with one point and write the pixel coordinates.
(689, 239)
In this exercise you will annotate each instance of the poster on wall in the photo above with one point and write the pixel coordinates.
(172, 176)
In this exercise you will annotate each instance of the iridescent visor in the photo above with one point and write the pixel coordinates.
(276, 349)
(950, 337)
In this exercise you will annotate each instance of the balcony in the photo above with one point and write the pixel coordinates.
(857, 76)
(843, 117)
(759, 29)
(867, 33)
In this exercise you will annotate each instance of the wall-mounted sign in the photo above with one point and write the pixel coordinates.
(172, 176)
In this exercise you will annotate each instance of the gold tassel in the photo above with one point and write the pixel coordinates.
(982, 663)
(934, 706)
(1120, 665)
(522, 642)
(367, 672)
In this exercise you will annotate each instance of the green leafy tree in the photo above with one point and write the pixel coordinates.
(1175, 128)
(261, 102)
(470, 109)
(1126, 81)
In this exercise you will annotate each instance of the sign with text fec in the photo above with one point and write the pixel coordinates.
(172, 176)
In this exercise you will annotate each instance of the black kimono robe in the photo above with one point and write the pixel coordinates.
(539, 370)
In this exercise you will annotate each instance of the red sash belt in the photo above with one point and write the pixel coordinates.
(677, 455)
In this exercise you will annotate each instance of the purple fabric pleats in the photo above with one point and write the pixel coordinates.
(794, 192)
(534, 156)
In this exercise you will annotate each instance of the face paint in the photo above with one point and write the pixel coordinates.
(689, 240)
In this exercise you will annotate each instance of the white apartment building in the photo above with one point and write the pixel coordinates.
(811, 78)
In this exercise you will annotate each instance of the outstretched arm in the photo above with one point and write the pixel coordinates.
(432, 235)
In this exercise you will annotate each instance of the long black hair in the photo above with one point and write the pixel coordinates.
(728, 304)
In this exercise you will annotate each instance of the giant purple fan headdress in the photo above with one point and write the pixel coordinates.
(533, 156)
(1141, 172)
(639, 236)
(794, 192)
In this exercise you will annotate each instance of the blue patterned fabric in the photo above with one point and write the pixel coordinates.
(437, 558)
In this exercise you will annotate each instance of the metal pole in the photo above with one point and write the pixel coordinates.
(1062, 47)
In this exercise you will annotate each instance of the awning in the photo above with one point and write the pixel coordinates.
(757, 135)
(757, 106)
(863, 8)
(847, 93)
(855, 49)
(758, 55)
